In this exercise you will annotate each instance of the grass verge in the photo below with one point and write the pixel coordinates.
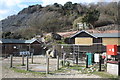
(76, 67)
(106, 75)
(85, 71)
(24, 71)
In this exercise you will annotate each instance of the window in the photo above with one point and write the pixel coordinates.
(97, 40)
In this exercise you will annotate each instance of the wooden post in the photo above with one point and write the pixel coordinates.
(119, 68)
(100, 61)
(11, 61)
(32, 58)
(27, 63)
(57, 62)
(63, 59)
(76, 56)
(73, 58)
(47, 64)
(86, 61)
(22, 59)
(73, 54)
(29, 48)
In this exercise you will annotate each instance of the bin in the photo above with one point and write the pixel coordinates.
(90, 58)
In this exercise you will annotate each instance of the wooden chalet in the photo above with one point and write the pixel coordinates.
(95, 42)
(14, 46)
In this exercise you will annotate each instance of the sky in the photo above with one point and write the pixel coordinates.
(11, 7)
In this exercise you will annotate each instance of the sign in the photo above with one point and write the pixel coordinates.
(24, 53)
(111, 49)
(96, 57)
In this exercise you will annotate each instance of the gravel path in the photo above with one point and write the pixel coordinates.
(9, 73)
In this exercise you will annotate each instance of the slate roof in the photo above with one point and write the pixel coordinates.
(110, 35)
(17, 41)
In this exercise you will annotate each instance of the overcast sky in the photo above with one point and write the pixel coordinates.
(11, 7)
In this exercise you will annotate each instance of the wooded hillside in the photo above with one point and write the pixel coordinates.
(36, 19)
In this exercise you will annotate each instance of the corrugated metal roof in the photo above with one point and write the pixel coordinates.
(30, 41)
(17, 41)
(107, 34)
(98, 34)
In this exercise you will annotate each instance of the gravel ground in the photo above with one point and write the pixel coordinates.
(9, 73)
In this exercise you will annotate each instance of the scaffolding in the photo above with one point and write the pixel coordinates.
(72, 52)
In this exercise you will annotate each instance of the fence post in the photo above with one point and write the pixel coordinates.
(23, 60)
(47, 64)
(11, 61)
(27, 63)
(57, 62)
(32, 58)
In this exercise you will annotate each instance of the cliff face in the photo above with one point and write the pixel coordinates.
(38, 16)
(56, 17)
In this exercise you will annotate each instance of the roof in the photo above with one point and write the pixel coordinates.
(81, 32)
(96, 35)
(107, 35)
(17, 41)
(67, 34)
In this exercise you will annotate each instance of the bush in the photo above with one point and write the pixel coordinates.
(103, 23)
(67, 63)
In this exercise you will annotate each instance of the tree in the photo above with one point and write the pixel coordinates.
(68, 5)
(56, 36)
(78, 20)
(119, 12)
(56, 4)
(10, 35)
(91, 17)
